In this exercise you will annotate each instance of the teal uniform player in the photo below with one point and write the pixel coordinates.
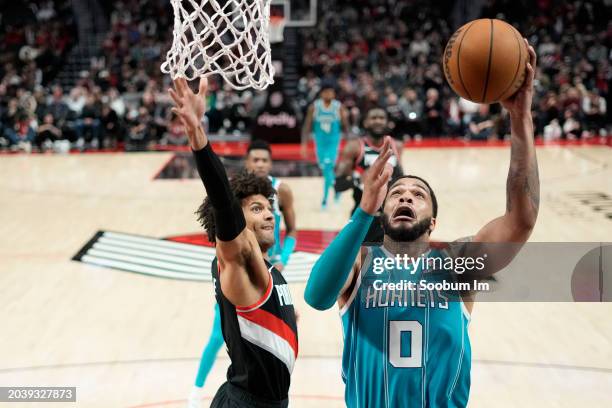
(327, 131)
(325, 120)
(275, 253)
(409, 348)
(327, 134)
(404, 348)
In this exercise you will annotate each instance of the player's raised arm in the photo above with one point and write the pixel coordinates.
(523, 183)
(344, 168)
(235, 248)
(332, 273)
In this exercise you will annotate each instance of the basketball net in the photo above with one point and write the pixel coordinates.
(226, 37)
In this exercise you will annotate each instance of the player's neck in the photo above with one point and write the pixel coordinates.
(410, 248)
(375, 141)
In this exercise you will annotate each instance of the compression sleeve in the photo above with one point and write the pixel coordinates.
(288, 247)
(229, 218)
(333, 267)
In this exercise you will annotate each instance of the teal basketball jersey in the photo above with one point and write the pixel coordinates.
(275, 252)
(327, 129)
(402, 347)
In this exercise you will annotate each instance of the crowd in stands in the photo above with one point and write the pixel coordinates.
(388, 54)
(377, 52)
(120, 100)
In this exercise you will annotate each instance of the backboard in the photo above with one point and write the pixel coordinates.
(298, 13)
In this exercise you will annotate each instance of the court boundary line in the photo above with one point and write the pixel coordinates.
(307, 357)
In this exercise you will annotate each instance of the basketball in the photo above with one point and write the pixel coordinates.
(484, 60)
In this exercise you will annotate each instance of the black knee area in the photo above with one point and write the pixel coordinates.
(343, 183)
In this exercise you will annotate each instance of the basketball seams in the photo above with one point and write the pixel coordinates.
(484, 92)
(459, 61)
(518, 65)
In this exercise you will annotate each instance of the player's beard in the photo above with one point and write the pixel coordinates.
(378, 134)
(403, 234)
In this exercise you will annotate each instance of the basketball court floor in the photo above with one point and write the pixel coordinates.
(134, 339)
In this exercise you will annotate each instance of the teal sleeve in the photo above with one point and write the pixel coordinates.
(288, 247)
(333, 267)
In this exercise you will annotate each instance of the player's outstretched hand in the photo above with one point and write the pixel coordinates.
(519, 104)
(376, 178)
(190, 108)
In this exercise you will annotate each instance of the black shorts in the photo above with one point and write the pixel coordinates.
(230, 396)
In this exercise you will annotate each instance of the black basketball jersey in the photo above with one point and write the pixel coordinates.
(261, 339)
(364, 161)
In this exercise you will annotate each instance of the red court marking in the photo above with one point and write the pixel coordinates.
(293, 152)
(163, 166)
(313, 241)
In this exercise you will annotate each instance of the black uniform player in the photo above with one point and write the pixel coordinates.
(357, 157)
(257, 315)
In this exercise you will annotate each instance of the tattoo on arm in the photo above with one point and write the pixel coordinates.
(523, 179)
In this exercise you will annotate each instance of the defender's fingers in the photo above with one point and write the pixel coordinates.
(385, 176)
(175, 97)
(383, 156)
(387, 173)
(181, 86)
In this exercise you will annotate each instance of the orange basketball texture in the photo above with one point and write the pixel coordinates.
(485, 60)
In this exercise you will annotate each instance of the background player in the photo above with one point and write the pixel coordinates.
(326, 118)
(357, 157)
(259, 162)
(257, 316)
(435, 372)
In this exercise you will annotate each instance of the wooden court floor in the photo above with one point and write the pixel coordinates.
(129, 340)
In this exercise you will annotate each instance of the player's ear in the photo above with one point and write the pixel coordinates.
(432, 226)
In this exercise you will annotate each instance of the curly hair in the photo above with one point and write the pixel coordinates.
(243, 185)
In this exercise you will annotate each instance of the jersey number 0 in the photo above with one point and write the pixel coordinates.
(396, 328)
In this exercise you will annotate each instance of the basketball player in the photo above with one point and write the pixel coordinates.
(407, 349)
(259, 162)
(358, 155)
(257, 315)
(325, 120)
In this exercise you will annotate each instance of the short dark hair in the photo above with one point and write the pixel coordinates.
(327, 84)
(243, 185)
(434, 200)
(259, 144)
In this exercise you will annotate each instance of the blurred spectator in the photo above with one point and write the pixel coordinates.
(139, 123)
(433, 112)
(48, 133)
(111, 126)
(412, 109)
(22, 134)
(89, 127)
(481, 125)
(175, 135)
